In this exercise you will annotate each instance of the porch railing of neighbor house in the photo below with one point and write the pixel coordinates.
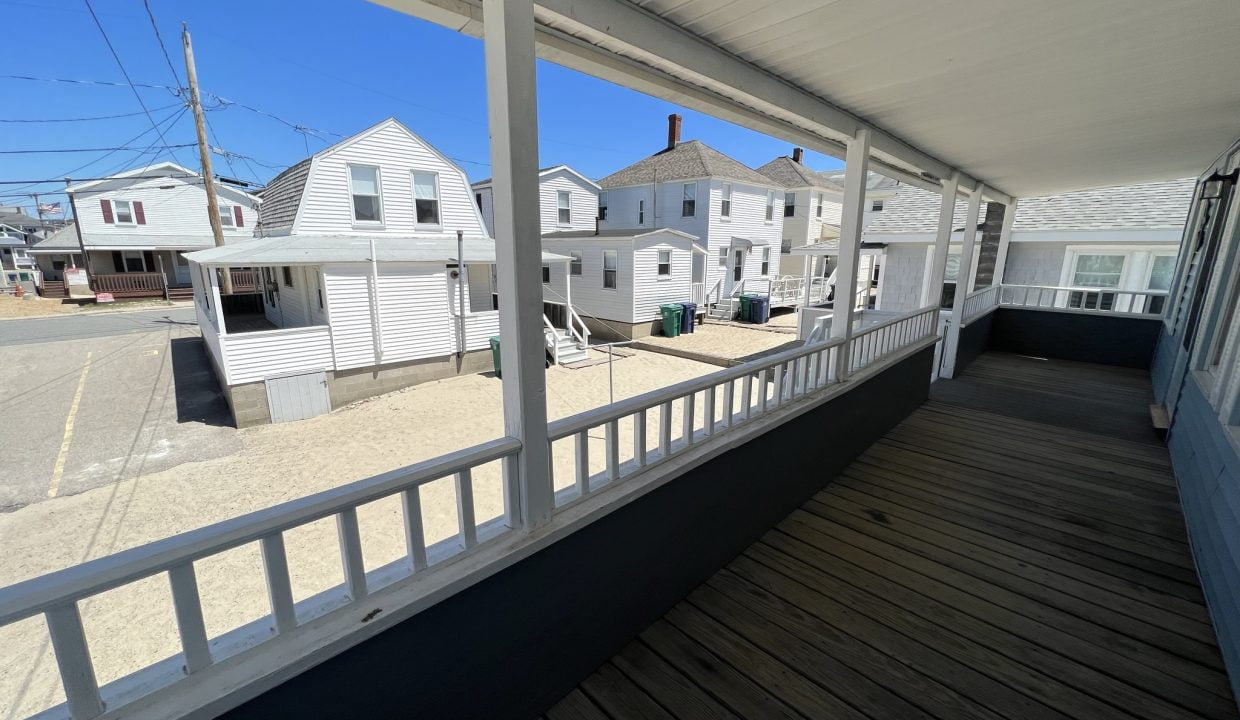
(244, 281)
(697, 294)
(714, 294)
(135, 284)
(1149, 303)
(791, 290)
(209, 666)
(979, 302)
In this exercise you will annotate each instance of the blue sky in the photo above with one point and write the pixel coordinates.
(335, 67)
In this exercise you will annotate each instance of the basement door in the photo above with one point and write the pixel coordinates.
(297, 397)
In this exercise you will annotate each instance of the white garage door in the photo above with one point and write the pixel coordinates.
(297, 397)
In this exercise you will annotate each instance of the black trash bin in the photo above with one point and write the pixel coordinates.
(760, 311)
(688, 319)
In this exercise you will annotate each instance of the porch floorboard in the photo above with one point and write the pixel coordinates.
(983, 560)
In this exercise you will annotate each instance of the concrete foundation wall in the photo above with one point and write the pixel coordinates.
(248, 401)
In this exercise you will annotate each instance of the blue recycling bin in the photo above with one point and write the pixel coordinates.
(760, 310)
(688, 318)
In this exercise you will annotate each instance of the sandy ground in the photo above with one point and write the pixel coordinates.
(130, 627)
(733, 342)
(784, 319)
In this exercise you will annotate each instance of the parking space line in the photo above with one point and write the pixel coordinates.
(59, 470)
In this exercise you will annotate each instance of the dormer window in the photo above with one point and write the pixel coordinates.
(426, 197)
(367, 194)
(564, 207)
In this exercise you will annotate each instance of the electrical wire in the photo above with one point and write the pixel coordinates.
(80, 150)
(164, 48)
(87, 119)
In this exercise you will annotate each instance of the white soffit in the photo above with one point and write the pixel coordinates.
(1032, 97)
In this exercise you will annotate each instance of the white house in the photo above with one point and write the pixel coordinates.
(568, 200)
(811, 211)
(1112, 238)
(616, 280)
(136, 227)
(734, 212)
(361, 289)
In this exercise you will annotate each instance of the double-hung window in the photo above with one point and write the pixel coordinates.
(770, 205)
(723, 257)
(226, 216)
(610, 263)
(819, 211)
(1096, 271)
(641, 212)
(790, 204)
(124, 212)
(665, 263)
(766, 261)
(564, 207)
(688, 205)
(574, 267)
(725, 204)
(367, 194)
(602, 206)
(426, 197)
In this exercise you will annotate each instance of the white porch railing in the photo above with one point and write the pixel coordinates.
(979, 302)
(688, 414)
(697, 294)
(791, 290)
(1147, 303)
(714, 294)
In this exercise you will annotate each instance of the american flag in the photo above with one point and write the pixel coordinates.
(49, 208)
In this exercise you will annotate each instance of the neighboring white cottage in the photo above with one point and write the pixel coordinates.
(1114, 238)
(617, 279)
(812, 206)
(734, 212)
(360, 289)
(568, 200)
(136, 227)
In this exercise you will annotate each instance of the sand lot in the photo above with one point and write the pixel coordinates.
(131, 627)
(732, 342)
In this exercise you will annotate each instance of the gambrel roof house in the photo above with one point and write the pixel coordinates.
(372, 273)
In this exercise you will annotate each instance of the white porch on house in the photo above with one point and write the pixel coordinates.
(750, 72)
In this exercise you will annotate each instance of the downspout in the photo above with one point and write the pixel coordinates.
(460, 291)
(374, 284)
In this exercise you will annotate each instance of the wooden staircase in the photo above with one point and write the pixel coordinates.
(54, 289)
(180, 293)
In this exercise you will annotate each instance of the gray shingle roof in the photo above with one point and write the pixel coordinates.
(64, 239)
(1146, 206)
(282, 196)
(687, 160)
(791, 174)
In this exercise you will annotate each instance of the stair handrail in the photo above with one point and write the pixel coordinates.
(716, 290)
(577, 327)
(555, 345)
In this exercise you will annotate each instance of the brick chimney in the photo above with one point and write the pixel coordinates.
(673, 130)
(797, 154)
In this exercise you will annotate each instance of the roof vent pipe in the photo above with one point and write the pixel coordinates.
(797, 154)
(673, 130)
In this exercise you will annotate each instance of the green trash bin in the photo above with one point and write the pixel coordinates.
(495, 355)
(746, 308)
(672, 312)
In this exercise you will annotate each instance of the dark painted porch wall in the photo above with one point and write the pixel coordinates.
(974, 339)
(1084, 337)
(513, 644)
(1207, 470)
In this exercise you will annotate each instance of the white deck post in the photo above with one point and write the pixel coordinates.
(942, 240)
(1005, 238)
(217, 307)
(857, 165)
(809, 266)
(964, 282)
(512, 111)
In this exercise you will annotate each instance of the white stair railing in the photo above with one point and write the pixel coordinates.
(1144, 303)
(553, 342)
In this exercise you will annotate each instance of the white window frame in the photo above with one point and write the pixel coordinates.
(378, 188)
(641, 211)
(125, 257)
(615, 270)
(684, 197)
(577, 263)
(1135, 276)
(818, 212)
(413, 190)
(563, 204)
(793, 197)
(766, 262)
(723, 256)
(770, 206)
(725, 201)
(659, 264)
(227, 219)
(116, 213)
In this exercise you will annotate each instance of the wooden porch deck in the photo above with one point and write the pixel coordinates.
(982, 560)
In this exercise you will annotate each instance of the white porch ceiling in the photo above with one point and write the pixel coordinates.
(1029, 96)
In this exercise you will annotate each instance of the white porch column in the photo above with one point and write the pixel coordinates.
(942, 241)
(217, 306)
(857, 165)
(809, 266)
(1005, 237)
(964, 282)
(512, 112)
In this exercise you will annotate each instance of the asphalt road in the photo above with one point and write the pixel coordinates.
(95, 399)
(93, 325)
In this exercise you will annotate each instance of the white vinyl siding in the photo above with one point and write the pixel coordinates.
(590, 298)
(250, 357)
(563, 208)
(326, 207)
(650, 290)
(170, 206)
(582, 201)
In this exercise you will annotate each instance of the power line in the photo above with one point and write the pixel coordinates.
(159, 38)
(86, 119)
(137, 95)
(80, 150)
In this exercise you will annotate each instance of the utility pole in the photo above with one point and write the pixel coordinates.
(204, 155)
